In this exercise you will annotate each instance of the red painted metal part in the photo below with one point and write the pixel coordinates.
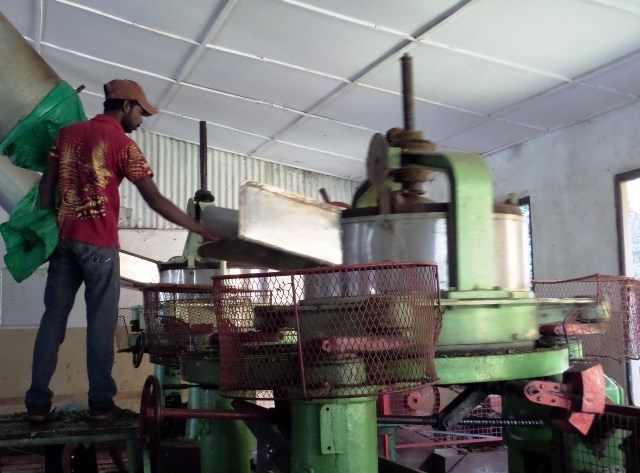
(571, 329)
(211, 414)
(548, 393)
(152, 413)
(579, 397)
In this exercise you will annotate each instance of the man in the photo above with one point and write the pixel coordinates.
(87, 163)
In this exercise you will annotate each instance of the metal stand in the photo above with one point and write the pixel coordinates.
(17, 432)
(337, 435)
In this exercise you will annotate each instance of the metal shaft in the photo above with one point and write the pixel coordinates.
(407, 92)
(433, 420)
(212, 414)
(203, 155)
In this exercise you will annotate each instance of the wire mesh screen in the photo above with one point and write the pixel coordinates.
(612, 445)
(123, 328)
(430, 400)
(178, 318)
(332, 332)
(608, 327)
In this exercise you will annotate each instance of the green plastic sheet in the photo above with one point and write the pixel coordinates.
(31, 234)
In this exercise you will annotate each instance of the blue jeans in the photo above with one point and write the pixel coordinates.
(71, 264)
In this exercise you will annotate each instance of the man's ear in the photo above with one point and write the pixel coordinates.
(126, 106)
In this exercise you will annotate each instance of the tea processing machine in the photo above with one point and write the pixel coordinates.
(321, 344)
(284, 369)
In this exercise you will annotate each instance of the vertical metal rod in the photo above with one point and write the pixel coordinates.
(296, 313)
(203, 155)
(407, 92)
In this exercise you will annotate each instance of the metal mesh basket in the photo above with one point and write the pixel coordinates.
(607, 328)
(324, 333)
(123, 329)
(179, 318)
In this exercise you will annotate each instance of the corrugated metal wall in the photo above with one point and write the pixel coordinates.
(176, 167)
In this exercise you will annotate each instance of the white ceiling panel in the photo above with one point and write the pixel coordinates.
(623, 76)
(366, 107)
(566, 105)
(490, 135)
(294, 35)
(314, 160)
(328, 135)
(217, 137)
(243, 115)
(24, 15)
(379, 110)
(409, 18)
(169, 16)
(444, 76)
(261, 80)
(567, 37)
(307, 82)
(627, 5)
(93, 74)
(114, 41)
(437, 121)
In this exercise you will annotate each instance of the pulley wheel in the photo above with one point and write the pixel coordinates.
(138, 349)
(377, 160)
(423, 402)
(150, 410)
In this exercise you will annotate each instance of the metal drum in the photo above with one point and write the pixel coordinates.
(180, 273)
(422, 236)
(25, 78)
(15, 183)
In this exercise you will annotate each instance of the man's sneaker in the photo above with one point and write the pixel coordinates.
(113, 414)
(39, 419)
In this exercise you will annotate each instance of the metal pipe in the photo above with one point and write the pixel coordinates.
(25, 78)
(213, 414)
(433, 420)
(406, 420)
(203, 155)
(15, 183)
(407, 92)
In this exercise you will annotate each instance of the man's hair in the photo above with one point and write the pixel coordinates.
(117, 104)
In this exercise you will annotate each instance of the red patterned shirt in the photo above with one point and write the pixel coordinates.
(94, 156)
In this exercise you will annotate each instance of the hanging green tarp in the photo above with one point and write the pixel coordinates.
(31, 234)
(28, 143)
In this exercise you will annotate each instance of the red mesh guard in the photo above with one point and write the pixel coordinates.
(178, 318)
(609, 327)
(324, 333)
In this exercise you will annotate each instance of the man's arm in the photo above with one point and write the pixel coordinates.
(47, 186)
(169, 210)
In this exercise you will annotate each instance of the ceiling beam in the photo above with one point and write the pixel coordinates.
(218, 20)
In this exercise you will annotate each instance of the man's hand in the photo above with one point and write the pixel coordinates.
(209, 235)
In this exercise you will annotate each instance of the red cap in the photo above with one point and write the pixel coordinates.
(129, 90)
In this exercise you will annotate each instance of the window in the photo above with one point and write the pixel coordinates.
(525, 208)
(627, 195)
(627, 199)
